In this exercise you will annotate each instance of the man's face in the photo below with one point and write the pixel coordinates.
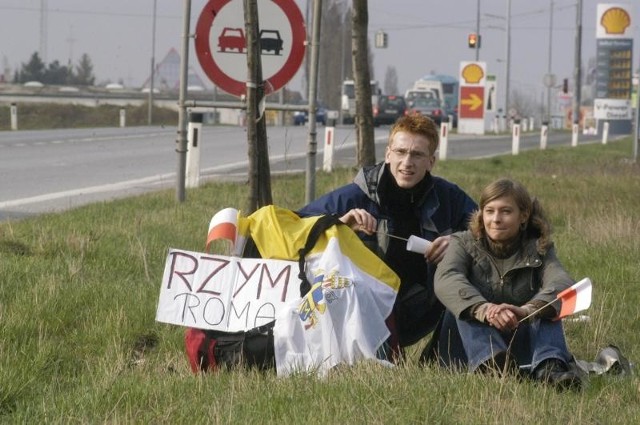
(409, 158)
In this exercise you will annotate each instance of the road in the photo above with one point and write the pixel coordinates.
(52, 170)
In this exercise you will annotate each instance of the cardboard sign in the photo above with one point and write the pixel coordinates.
(229, 294)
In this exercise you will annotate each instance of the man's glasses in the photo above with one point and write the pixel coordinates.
(403, 153)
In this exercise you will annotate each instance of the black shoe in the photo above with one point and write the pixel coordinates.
(557, 373)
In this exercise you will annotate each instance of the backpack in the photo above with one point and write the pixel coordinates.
(210, 350)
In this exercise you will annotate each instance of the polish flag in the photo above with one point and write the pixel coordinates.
(575, 298)
(223, 225)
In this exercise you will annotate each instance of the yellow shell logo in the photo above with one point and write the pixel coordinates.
(615, 20)
(472, 73)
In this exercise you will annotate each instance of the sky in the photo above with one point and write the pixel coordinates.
(424, 36)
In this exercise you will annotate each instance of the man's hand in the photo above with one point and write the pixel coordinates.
(504, 317)
(360, 220)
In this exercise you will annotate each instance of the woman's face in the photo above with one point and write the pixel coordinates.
(502, 219)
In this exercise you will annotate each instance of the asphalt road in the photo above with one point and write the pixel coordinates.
(53, 170)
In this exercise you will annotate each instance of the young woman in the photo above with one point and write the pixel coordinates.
(496, 281)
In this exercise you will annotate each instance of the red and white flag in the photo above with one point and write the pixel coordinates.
(575, 298)
(223, 225)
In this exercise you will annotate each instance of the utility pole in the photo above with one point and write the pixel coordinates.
(182, 108)
(153, 62)
(312, 96)
(550, 81)
(507, 61)
(478, 31)
(577, 65)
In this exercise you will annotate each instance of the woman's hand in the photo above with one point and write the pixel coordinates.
(360, 220)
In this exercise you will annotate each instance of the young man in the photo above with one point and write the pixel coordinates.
(397, 198)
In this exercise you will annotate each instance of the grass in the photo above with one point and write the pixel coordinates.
(78, 293)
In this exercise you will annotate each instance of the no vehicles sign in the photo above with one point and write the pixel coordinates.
(221, 43)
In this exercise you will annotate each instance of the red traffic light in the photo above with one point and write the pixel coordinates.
(474, 40)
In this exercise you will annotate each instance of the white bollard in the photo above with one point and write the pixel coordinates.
(194, 128)
(444, 140)
(14, 116)
(574, 134)
(515, 137)
(123, 117)
(496, 124)
(327, 162)
(524, 125)
(544, 133)
(605, 132)
(532, 124)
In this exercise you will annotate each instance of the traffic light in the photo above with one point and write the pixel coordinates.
(474, 40)
(565, 85)
(382, 40)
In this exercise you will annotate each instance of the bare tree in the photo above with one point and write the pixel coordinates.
(391, 80)
(365, 154)
(259, 172)
(525, 104)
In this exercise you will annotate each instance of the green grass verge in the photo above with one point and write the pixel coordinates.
(78, 293)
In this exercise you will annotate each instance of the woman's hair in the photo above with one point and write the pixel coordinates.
(417, 124)
(537, 226)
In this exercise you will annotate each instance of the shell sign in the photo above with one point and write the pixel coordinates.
(472, 73)
(614, 21)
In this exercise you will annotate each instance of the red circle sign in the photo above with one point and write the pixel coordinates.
(231, 41)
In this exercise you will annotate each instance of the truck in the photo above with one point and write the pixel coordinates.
(348, 99)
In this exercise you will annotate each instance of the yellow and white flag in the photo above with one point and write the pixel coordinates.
(342, 318)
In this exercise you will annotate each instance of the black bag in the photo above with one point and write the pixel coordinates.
(209, 350)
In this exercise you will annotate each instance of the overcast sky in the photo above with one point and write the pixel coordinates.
(424, 36)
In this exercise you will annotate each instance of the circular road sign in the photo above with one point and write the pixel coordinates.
(221, 45)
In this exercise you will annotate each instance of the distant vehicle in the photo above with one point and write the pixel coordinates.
(348, 99)
(412, 94)
(388, 109)
(429, 107)
(34, 84)
(270, 41)
(301, 117)
(232, 39)
(446, 87)
(114, 86)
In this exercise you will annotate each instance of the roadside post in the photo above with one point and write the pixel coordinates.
(574, 134)
(544, 133)
(123, 117)
(515, 137)
(14, 116)
(605, 132)
(194, 128)
(329, 145)
(444, 139)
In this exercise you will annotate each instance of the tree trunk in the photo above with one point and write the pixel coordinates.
(259, 172)
(366, 154)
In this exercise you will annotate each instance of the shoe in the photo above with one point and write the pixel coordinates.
(500, 365)
(557, 373)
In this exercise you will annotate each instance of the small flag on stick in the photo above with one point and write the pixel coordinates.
(575, 298)
(224, 225)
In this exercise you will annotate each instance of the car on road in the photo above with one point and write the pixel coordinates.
(270, 41)
(430, 107)
(388, 109)
(301, 117)
(232, 39)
